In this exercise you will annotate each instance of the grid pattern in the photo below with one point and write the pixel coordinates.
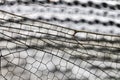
(43, 51)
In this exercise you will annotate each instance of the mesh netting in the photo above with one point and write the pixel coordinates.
(36, 50)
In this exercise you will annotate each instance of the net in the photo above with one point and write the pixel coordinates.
(36, 50)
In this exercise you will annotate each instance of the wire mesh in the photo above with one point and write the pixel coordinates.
(36, 50)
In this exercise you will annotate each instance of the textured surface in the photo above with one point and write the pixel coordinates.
(37, 50)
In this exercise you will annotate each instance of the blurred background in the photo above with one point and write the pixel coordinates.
(91, 15)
